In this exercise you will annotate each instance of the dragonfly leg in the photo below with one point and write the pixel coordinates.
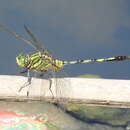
(27, 83)
(42, 74)
(50, 80)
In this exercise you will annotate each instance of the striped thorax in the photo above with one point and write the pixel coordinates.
(38, 62)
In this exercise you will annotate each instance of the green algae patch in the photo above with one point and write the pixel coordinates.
(105, 115)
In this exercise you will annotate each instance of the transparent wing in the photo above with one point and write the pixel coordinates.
(18, 36)
(30, 42)
(35, 41)
(61, 86)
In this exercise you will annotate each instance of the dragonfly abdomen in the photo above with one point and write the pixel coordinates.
(116, 58)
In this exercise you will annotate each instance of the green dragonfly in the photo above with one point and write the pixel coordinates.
(42, 61)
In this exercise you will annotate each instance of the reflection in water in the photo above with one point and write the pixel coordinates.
(115, 118)
(76, 117)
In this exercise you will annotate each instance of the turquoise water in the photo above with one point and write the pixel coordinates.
(42, 115)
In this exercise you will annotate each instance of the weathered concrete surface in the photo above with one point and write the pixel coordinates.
(108, 92)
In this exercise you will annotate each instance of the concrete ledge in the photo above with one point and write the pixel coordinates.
(106, 92)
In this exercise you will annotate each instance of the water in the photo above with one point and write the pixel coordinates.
(77, 117)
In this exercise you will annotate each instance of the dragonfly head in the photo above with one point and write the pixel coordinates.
(22, 60)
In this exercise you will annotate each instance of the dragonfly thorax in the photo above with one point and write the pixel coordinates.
(39, 62)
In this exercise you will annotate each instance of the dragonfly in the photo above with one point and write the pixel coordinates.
(43, 61)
